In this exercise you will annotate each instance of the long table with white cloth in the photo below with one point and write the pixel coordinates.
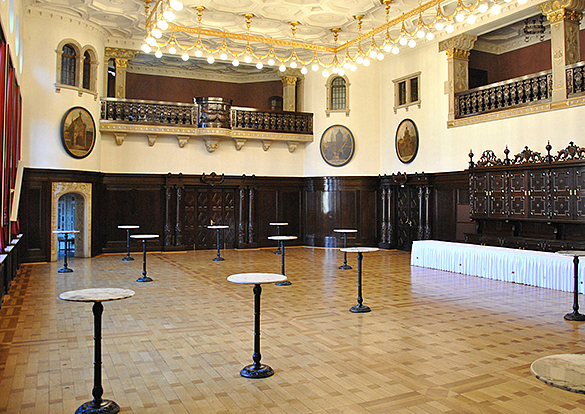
(530, 267)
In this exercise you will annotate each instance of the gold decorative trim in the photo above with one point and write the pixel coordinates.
(564, 15)
(239, 143)
(292, 146)
(116, 53)
(183, 139)
(463, 42)
(457, 54)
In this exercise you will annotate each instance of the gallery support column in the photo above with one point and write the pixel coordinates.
(121, 59)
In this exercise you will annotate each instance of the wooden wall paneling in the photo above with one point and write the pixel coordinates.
(35, 216)
(290, 211)
(368, 228)
(266, 202)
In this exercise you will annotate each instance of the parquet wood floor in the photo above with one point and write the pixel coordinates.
(435, 342)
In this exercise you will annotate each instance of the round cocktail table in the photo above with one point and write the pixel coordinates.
(281, 240)
(575, 315)
(66, 233)
(278, 225)
(564, 371)
(128, 227)
(144, 237)
(97, 296)
(218, 258)
(345, 266)
(359, 308)
(256, 370)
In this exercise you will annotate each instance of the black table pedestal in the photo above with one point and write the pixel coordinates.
(278, 251)
(345, 266)
(128, 258)
(359, 308)
(575, 315)
(98, 405)
(144, 278)
(286, 282)
(257, 370)
(218, 258)
(65, 269)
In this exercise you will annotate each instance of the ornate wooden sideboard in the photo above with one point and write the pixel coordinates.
(530, 201)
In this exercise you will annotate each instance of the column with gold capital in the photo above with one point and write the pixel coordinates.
(289, 93)
(121, 58)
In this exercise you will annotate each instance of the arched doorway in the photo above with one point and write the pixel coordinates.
(71, 210)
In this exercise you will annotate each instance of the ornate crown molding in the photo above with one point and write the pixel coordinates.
(461, 42)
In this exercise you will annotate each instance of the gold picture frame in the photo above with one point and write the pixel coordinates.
(406, 141)
(337, 145)
(78, 132)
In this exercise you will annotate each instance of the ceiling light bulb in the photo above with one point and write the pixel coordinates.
(172, 50)
(325, 73)
(359, 60)
(471, 19)
(373, 54)
(210, 60)
(176, 5)
(162, 25)
(158, 54)
(271, 62)
(145, 48)
(380, 56)
(460, 17)
(156, 33)
(223, 56)
(420, 34)
(430, 36)
(151, 41)
(411, 43)
(304, 70)
(315, 67)
(293, 64)
(439, 26)
(282, 68)
(496, 9)
(247, 58)
(387, 47)
(341, 72)
(395, 50)
(198, 53)
(346, 65)
(335, 69)
(185, 56)
(353, 67)
(259, 65)
(449, 28)
(169, 15)
(366, 62)
(483, 7)
(236, 62)
(403, 41)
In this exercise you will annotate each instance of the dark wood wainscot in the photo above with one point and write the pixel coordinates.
(531, 201)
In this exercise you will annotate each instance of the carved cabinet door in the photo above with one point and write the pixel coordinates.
(560, 195)
(538, 195)
(579, 193)
(498, 183)
(479, 195)
(517, 194)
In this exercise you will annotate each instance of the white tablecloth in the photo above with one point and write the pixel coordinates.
(543, 269)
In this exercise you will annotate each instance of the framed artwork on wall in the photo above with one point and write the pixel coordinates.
(78, 132)
(337, 145)
(406, 141)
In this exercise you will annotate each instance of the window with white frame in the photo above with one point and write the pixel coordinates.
(76, 68)
(337, 94)
(407, 91)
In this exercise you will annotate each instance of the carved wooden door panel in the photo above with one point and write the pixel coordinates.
(205, 238)
(538, 196)
(217, 205)
(497, 207)
(517, 194)
(579, 193)
(560, 180)
(407, 221)
(189, 218)
(479, 197)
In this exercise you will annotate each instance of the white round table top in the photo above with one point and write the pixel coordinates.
(565, 371)
(278, 224)
(345, 230)
(143, 236)
(282, 237)
(359, 249)
(256, 278)
(571, 252)
(96, 294)
(128, 226)
(65, 231)
(218, 227)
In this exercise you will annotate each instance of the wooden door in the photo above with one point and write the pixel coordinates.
(560, 180)
(407, 221)
(497, 207)
(538, 195)
(479, 195)
(517, 194)
(579, 193)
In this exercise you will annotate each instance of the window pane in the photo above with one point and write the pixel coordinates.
(68, 66)
(338, 93)
(402, 93)
(86, 70)
(414, 90)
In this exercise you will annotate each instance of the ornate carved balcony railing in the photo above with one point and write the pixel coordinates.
(211, 119)
(575, 79)
(516, 92)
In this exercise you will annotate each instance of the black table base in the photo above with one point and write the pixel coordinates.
(575, 315)
(345, 266)
(106, 407)
(65, 269)
(286, 282)
(218, 258)
(128, 258)
(250, 371)
(144, 278)
(257, 370)
(360, 308)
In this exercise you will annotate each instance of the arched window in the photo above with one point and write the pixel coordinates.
(337, 94)
(68, 65)
(86, 70)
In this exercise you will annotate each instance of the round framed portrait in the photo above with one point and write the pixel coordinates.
(406, 141)
(337, 145)
(78, 132)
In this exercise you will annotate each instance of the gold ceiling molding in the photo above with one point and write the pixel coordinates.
(116, 53)
(461, 42)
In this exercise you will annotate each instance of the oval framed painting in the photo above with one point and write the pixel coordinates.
(406, 141)
(337, 145)
(78, 132)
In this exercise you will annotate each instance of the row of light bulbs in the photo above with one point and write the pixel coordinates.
(348, 63)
